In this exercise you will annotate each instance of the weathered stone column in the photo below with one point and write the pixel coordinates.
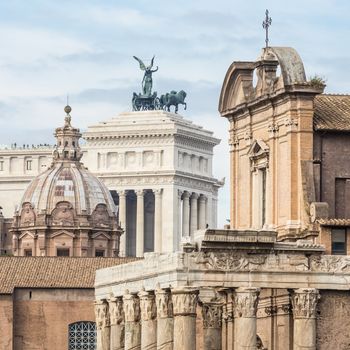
(165, 321)
(148, 321)
(116, 316)
(194, 213)
(185, 304)
(212, 322)
(132, 322)
(102, 325)
(245, 308)
(122, 219)
(140, 223)
(157, 220)
(304, 301)
(186, 214)
(202, 212)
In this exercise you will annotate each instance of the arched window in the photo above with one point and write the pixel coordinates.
(82, 336)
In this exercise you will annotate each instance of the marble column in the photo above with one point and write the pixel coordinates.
(304, 301)
(165, 320)
(102, 325)
(122, 220)
(202, 210)
(186, 214)
(116, 316)
(132, 340)
(185, 305)
(148, 321)
(157, 220)
(212, 322)
(140, 223)
(245, 308)
(194, 213)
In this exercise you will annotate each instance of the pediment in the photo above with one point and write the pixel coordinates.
(27, 234)
(101, 235)
(258, 148)
(62, 233)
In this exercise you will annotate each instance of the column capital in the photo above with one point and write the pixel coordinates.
(157, 191)
(164, 303)
(116, 312)
(185, 301)
(179, 193)
(101, 314)
(140, 193)
(131, 307)
(122, 192)
(304, 302)
(194, 195)
(212, 315)
(202, 198)
(246, 302)
(186, 194)
(147, 306)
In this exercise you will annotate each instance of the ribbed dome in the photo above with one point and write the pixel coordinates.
(67, 182)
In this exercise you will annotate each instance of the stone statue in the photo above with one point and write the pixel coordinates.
(147, 78)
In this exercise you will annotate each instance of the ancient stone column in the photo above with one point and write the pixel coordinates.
(140, 223)
(165, 321)
(194, 214)
(157, 220)
(304, 302)
(122, 220)
(132, 322)
(148, 321)
(202, 209)
(212, 322)
(102, 325)
(116, 316)
(185, 304)
(186, 214)
(245, 308)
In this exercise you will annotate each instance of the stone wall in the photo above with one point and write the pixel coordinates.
(41, 316)
(333, 320)
(6, 318)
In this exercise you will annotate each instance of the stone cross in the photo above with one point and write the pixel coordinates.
(266, 24)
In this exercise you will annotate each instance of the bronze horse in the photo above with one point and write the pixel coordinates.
(173, 99)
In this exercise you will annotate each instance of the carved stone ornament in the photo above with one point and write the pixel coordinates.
(185, 301)
(246, 302)
(27, 215)
(101, 314)
(116, 312)
(147, 306)
(271, 310)
(304, 302)
(63, 214)
(164, 304)
(100, 216)
(131, 308)
(286, 308)
(212, 315)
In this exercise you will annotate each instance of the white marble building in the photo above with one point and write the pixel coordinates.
(157, 165)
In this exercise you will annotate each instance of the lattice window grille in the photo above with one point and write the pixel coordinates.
(82, 336)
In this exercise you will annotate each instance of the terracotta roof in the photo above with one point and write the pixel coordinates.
(334, 222)
(332, 112)
(52, 272)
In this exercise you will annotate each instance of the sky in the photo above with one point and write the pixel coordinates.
(49, 49)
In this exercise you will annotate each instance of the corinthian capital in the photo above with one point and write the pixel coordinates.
(246, 302)
(304, 302)
(116, 312)
(212, 315)
(164, 304)
(101, 314)
(185, 301)
(147, 306)
(131, 307)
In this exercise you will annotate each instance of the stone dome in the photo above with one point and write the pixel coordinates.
(67, 205)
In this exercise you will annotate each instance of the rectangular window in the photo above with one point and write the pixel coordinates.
(62, 252)
(338, 241)
(1, 165)
(29, 165)
(99, 253)
(28, 252)
(263, 196)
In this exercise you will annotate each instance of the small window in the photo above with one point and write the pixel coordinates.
(99, 253)
(339, 241)
(82, 335)
(29, 165)
(62, 252)
(1, 165)
(28, 252)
